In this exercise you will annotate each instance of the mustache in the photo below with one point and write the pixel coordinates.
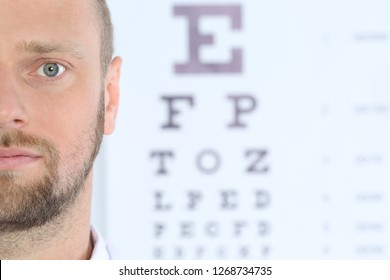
(19, 139)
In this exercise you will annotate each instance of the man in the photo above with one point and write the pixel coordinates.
(59, 93)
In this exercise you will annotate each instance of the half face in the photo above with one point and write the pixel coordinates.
(51, 107)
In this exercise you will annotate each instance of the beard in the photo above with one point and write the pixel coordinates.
(28, 205)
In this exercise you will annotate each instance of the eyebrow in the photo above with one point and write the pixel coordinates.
(41, 48)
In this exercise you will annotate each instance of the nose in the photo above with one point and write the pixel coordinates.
(12, 111)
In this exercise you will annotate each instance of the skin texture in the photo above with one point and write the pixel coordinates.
(60, 120)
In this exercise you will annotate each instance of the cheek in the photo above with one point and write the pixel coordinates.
(68, 119)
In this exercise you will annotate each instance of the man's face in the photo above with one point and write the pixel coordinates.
(51, 107)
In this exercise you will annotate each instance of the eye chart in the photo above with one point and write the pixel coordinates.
(251, 130)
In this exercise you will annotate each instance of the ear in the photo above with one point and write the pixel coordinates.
(111, 94)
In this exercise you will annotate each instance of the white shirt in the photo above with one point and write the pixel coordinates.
(101, 250)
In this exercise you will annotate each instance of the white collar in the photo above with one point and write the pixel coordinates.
(100, 249)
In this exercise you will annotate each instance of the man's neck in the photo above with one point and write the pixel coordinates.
(67, 238)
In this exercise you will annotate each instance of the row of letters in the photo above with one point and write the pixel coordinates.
(209, 161)
(206, 252)
(229, 199)
(211, 229)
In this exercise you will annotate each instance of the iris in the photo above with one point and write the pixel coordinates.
(51, 69)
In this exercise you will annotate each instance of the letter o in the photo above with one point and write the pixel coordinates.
(208, 161)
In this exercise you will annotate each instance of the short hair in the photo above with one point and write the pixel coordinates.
(106, 34)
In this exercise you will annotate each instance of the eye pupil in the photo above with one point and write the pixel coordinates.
(51, 69)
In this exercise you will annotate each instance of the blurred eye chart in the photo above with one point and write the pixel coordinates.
(250, 129)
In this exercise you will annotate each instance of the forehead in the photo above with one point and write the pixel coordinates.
(71, 21)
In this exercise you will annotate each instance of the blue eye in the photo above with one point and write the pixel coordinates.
(51, 70)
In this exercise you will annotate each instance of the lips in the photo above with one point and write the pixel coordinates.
(14, 158)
